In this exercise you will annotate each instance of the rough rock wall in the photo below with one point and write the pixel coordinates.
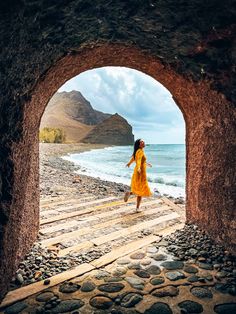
(189, 47)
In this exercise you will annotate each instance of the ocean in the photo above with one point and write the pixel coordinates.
(167, 175)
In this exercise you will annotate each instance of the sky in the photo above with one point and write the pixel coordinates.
(145, 103)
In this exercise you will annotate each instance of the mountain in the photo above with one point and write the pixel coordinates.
(113, 131)
(71, 112)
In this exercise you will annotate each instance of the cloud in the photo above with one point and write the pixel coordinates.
(146, 104)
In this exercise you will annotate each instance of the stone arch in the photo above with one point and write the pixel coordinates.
(192, 58)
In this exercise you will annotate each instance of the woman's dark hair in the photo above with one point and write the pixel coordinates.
(136, 146)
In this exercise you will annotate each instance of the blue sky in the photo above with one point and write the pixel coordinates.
(145, 103)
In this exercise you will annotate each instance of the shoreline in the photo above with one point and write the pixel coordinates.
(58, 176)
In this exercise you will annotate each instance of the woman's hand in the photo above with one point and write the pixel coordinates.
(149, 165)
(139, 170)
(127, 165)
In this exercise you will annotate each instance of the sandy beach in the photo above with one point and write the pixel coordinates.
(58, 176)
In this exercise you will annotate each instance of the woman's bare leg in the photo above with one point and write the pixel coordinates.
(127, 195)
(139, 198)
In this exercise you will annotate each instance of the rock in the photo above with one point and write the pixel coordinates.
(101, 274)
(113, 279)
(111, 287)
(131, 299)
(159, 308)
(69, 287)
(88, 286)
(101, 302)
(119, 271)
(45, 296)
(193, 278)
(135, 282)
(205, 266)
(67, 306)
(174, 275)
(157, 280)
(159, 257)
(171, 265)
(134, 265)
(151, 249)
(46, 282)
(146, 261)
(137, 255)
(142, 274)
(227, 308)
(123, 261)
(19, 279)
(15, 308)
(191, 306)
(168, 291)
(190, 269)
(201, 292)
(153, 270)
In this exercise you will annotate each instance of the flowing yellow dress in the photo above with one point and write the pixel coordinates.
(139, 183)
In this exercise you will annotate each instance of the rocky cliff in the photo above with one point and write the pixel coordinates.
(81, 123)
(113, 131)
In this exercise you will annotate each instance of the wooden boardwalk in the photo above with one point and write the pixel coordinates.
(72, 226)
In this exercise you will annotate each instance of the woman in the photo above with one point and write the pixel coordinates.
(139, 184)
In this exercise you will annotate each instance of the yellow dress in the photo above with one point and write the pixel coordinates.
(139, 183)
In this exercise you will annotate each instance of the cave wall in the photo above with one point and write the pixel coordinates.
(189, 48)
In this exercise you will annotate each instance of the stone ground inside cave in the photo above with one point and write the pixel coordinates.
(107, 262)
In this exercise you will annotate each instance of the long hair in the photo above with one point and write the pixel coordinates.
(136, 146)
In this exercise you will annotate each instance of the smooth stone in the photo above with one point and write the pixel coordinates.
(168, 291)
(159, 308)
(69, 287)
(67, 306)
(119, 271)
(113, 279)
(153, 270)
(201, 292)
(88, 286)
(191, 306)
(123, 261)
(45, 296)
(225, 308)
(15, 308)
(137, 255)
(101, 274)
(157, 280)
(193, 278)
(221, 274)
(111, 287)
(101, 302)
(134, 265)
(174, 275)
(190, 269)
(159, 257)
(205, 266)
(142, 274)
(163, 243)
(19, 279)
(46, 282)
(146, 261)
(131, 299)
(172, 265)
(151, 249)
(135, 282)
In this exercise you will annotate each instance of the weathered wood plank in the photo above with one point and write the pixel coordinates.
(24, 292)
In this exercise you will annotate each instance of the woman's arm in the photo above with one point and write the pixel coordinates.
(138, 158)
(130, 162)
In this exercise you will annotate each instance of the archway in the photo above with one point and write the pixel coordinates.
(208, 117)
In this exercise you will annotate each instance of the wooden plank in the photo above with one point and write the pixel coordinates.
(24, 292)
(44, 207)
(79, 247)
(116, 234)
(132, 229)
(122, 251)
(98, 200)
(80, 212)
(177, 208)
(105, 224)
(166, 231)
(82, 231)
(59, 227)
